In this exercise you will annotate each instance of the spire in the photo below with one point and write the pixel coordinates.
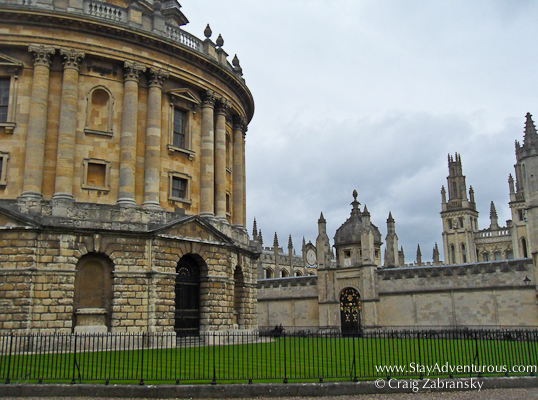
(511, 184)
(304, 243)
(260, 237)
(443, 195)
(366, 213)
(419, 255)
(321, 218)
(255, 230)
(530, 131)
(436, 255)
(275, 241)
(471, 194)
(493, 216)
(290, 243)
(401, 257)
(390, 219)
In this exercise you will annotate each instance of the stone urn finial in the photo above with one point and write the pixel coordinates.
(207, 31)
(355, 194)
(235, 61)
(220, 41)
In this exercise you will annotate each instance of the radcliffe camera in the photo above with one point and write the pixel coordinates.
(134, 251)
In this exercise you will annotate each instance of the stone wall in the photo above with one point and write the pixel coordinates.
(38, 268)
(484, 294)
(288, 301)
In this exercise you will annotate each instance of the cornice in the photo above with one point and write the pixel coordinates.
(18, 15)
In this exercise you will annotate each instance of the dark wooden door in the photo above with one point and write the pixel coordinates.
(187, 317)
(350, 312)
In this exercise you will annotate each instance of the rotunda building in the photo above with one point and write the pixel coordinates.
(122, 172)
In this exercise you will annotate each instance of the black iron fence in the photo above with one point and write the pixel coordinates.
(307, 354)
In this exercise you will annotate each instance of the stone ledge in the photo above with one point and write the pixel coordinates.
(276, 389)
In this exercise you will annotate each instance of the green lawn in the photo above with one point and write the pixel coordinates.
(305, 359)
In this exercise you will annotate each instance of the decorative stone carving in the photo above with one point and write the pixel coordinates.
(72, 58)
(157, 77)
(132, 70)
(222, 105)
(209, 98)
(239, 123)
(41, 54)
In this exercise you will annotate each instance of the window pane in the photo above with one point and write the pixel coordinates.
(179, 187)
(179, 128)
(4, 98)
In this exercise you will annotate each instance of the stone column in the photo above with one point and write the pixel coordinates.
(128, 134)
(238, 168)
(244, 175)
(65, 160)
(207, 162)
(37, 123)
(152, 169)
(220, 158)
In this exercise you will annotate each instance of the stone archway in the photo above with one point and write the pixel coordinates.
(350, 312)
(92, 301)
(239, 283)
(187, 303)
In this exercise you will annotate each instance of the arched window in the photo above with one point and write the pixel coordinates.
(92, 302)
(269, 274)
(524, 250)
(298, 273)
(485, 256)
(463, 253)
(498, 255)
(187, 314)
(452, 254)
(99, 111)
(284, 273)
(509, 255)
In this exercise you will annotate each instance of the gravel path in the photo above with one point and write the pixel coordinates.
(489, 394)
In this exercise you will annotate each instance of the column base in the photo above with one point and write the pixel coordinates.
(207, 214)
(126, 202)
(63, 196)
(29, 202)
(31, 195)
(152, 205)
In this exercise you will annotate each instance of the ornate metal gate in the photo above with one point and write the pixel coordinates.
(350, 312)
(187, 316)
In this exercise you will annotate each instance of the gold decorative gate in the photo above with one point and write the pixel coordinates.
(350, 311)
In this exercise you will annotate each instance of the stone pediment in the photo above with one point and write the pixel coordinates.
(10, 219)
(185, 94)
(10, 63)
(194, 228)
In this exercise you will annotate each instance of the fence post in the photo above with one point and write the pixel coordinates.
(419, 335)
(214, 381)
(73, 380)
(142, 358)
(9, 357)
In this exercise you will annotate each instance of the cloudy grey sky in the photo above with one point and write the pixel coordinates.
(373, 95)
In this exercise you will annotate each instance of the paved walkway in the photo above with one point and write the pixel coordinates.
(485, 394)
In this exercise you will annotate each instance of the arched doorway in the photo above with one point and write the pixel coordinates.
(350, 312)
(92, 300)
(187, 315)
(238, 296)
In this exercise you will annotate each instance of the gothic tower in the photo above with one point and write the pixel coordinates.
(527, 189)
(460, 218)
(391, 250)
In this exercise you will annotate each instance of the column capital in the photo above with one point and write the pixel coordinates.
(41, 54)
(157, 77)
(71, 58)
(132, 70)
(209, 98)
(240, 123)
(222, 105)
